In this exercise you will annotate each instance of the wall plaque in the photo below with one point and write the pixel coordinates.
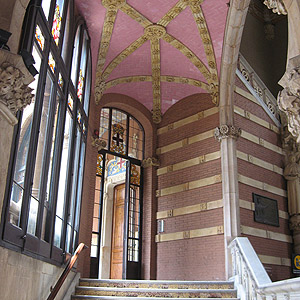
(266, 210)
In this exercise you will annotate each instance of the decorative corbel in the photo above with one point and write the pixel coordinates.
(150, 162)
(226, 131)
(97, 142)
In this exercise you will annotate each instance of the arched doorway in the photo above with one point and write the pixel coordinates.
(116, 237)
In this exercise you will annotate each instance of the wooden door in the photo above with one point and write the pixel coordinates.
(116, 265)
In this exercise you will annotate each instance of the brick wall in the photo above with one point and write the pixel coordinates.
(185, 257)
(267, 246)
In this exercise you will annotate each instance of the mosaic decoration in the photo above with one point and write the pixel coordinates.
(116, 167)
(80, 85)
(99, 164)
(134, 175)
(60, 81)
(70, 102)
(51, 63)
(118, 143)
(155, 32)
(39, 37)
(56, 24)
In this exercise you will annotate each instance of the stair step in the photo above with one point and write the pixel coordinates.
(158, 284)
(83, 297)
(169, 293)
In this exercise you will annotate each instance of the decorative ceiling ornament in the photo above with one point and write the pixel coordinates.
(113, 4)
(277, 6)
(226, 131)
(154, 31)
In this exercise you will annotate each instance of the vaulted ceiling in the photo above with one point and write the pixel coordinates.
(157, 51)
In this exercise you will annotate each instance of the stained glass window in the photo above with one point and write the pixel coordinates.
(39, 37)
(70, 102)
(118, 143)
(99, 164)
(60, 81)
(56, 24)
(79, 117)
(51, 62)
(80, 85)
(135, 175)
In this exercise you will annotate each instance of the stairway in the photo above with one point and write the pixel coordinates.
(141, 289)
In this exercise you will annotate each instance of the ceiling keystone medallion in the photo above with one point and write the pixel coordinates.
(277, 6)
(113, 4)
(226, 131)
(154, 31)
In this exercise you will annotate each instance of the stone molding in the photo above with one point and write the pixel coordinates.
(226, 131)
(15, 93)
(277, 6)
(150, 162)
(289, 97)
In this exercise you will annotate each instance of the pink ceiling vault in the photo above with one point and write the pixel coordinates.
(173, 62)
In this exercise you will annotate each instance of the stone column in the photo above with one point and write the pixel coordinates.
(227, 136)
(14, 95)
(292, 175)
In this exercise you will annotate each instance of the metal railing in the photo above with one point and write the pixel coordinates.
(66, 271)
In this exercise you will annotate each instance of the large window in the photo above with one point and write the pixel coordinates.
(47, 162)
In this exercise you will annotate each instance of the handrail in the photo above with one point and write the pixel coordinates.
(66, 271)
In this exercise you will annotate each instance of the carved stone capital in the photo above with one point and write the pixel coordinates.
(150, 162)
(15, 93)
(295, 222)
(226, 131)
(98, 143)
(277, 6)
(289, 98)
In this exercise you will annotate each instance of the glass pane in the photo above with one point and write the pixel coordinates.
(87, 88)
(64, 166)
(119, 133)
(136, 137)
(51, 63)
(46, 7)
(40, 37)
(51, 161)
(57, 232)
(104, 125)
(16, 197)
(80, 85)
(95, 224)
(66, 36)
(94, 245)
(75, 57)
(60, 81)
(94, 250)
(79, 186)
(79, 120)
(57, 20)
(32, 219)
(68, 238)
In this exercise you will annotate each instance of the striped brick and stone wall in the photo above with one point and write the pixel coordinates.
(189, 194)
(260, 170)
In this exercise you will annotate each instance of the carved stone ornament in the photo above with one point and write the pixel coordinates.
(277, 6)
(99, 90)
(226, 131)
(156, 116)
(295, 222)
(113, 4)
(150, 162)
(98, 143)
(14, 93)
(155, 31)
(214, 92)
(289, 98)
